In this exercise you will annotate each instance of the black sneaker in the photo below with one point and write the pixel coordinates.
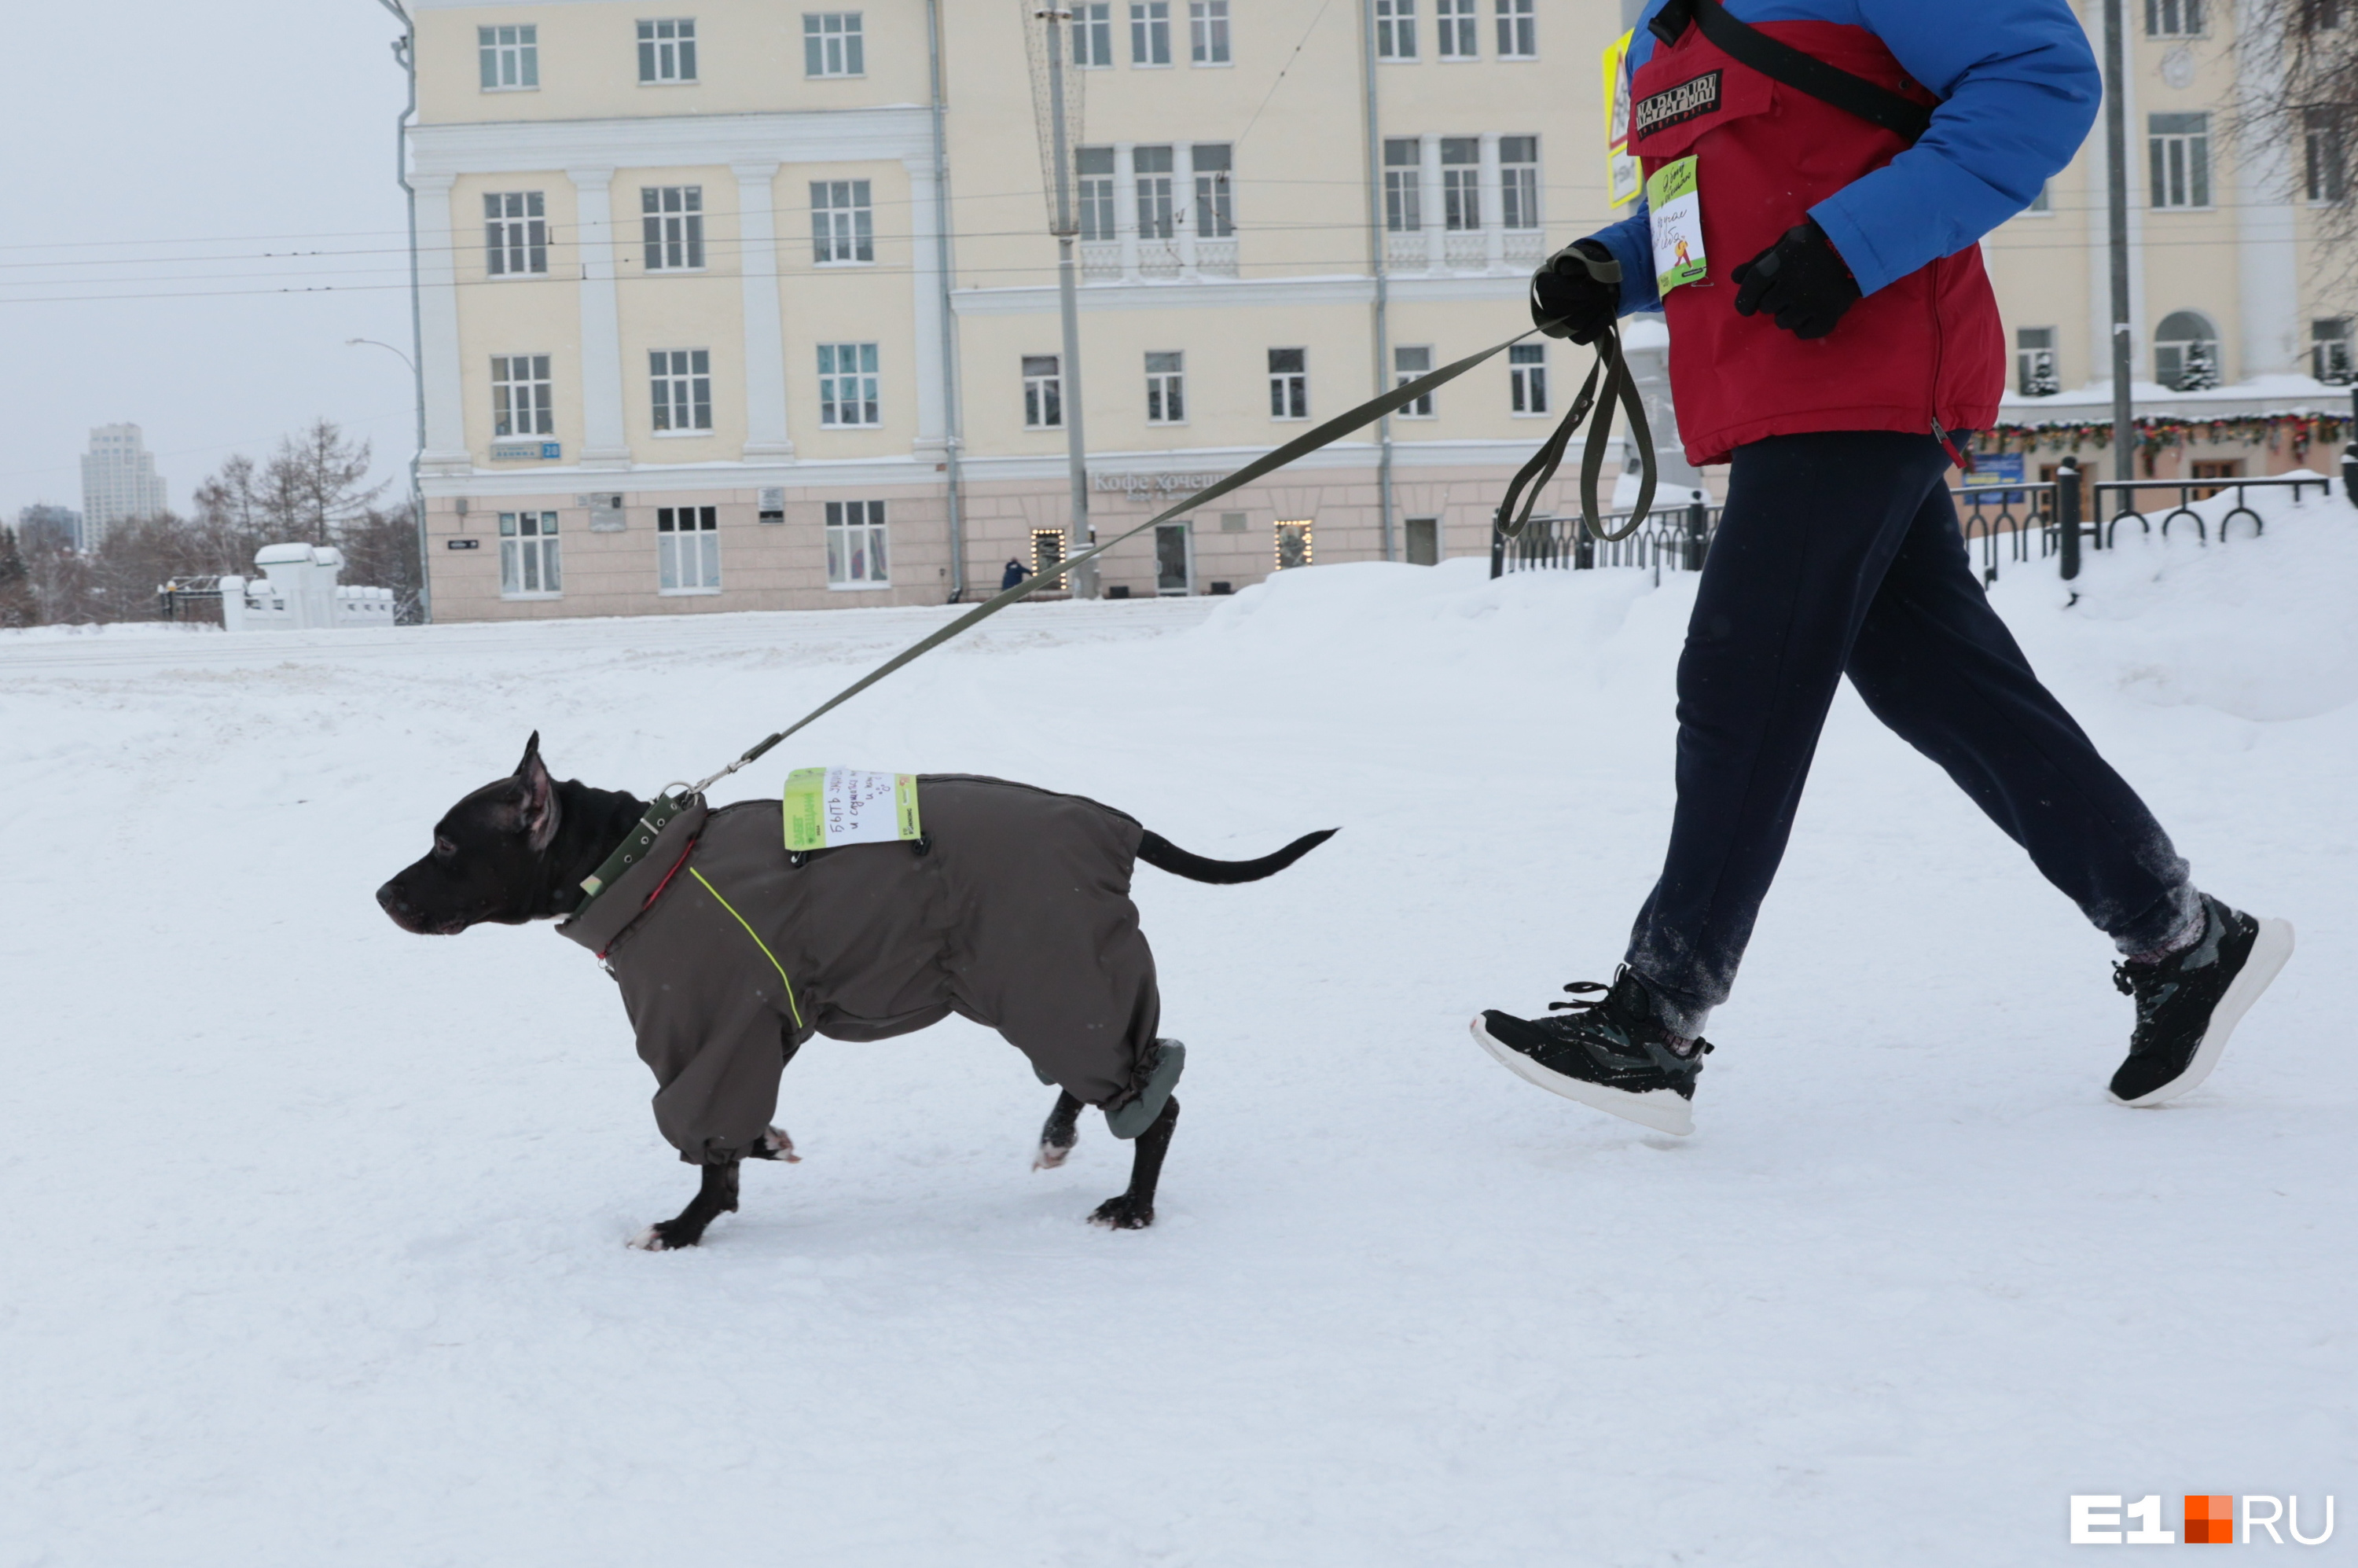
(2189, 1003)
(1609, 1051)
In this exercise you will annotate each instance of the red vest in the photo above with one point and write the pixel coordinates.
(1928, 346)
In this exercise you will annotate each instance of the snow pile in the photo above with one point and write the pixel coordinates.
(317, 1227)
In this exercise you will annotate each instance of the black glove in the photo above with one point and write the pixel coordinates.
(1801, 281)
(1567, 299)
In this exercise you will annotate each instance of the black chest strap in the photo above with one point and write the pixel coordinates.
(1747, 45)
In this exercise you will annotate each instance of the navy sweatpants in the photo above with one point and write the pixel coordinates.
(1839, 553)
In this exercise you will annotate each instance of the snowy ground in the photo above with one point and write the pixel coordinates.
(316, 1227)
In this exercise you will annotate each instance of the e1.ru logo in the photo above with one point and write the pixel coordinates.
(2209, 1520)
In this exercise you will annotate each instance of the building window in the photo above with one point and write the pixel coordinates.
(1288, 383)
(1097, 193)
(1152, 167)
(1408, 362)
(2034, 362)
(2180, 149)
(2326, 147)
(1519, 182)
(1293, 542)
(2045, 201)
(843, 224)
(1166, 388)
(1527, 378)
(1150, 32)
(688, 550)
(1461, 182)
(2173, 18)
(682, 379)
(1043, 391)
(846, 385)
(1519, 30)
(529, 566)
(1395, 29)
(519, 404)
(832, 45)
(516, 233)
(1424, 541)
(1207, 31)
(1458, 29)
(509, 58)
(667, 50)
(673, 218)
(1093, 34)
(2330, 357)
(1215, 213)
(855, 544)
(1403, 185)
(2186, 351)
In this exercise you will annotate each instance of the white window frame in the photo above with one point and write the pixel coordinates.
(835, 44)
(1158, 209)
(1519, 185)
(849, 384)
(520, 400)
(681, 383)
(508, 58)
(1207, 33)
(671, 223)
(2035, 371)
(1396, 29)
(1214, 164)
(2169, 372)
(1289, 384)
(858, 549)
(1461, 185)
(516, 233)
(1092, 34)
(667, 51)
(1403, 185)
(1043, 391)
(2043, 204)
(1527, 381)
(2178, 153)
(687, 550)
(1166, 386)
(2325, 156)
(2173, 18)
(1093, 183)
(1149, 34)
(843, 224)
(2332, 353)
(531, 563)
(1457, 30)
(1408, 362)
(1518, 29)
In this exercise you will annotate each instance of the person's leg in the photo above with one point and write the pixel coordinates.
(1935, 663)
(1811, 523)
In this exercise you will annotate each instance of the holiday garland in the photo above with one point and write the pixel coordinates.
(2159, 433)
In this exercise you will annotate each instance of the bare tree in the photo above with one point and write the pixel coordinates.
(2300, 96)
(313, 488)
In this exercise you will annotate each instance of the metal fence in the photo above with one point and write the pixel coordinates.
(1667, 541)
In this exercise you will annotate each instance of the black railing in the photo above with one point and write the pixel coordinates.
(2010, 521)
(1675, 540)
(2124, 492)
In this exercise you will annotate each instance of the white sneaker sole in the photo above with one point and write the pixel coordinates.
(1664, 1110)
(2270, 948)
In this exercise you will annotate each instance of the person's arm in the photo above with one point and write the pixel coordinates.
(1631, 241)
(2019, 89)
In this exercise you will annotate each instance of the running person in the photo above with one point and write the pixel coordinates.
(1838, 347)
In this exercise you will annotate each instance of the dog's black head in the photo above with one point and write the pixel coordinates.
(490, 858)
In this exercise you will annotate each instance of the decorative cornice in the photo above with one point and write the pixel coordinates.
(815, 135)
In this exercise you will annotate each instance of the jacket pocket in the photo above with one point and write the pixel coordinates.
(1681, 94)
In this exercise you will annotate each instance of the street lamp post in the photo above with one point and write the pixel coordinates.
(1059, 107)
(416, 496)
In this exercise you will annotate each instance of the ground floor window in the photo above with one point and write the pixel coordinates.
(1048, 549)
(1174, 558)
(529, 567)
(856, 553)
(688, 550)
(1425, 541)
(2330, 359)
(1292, 545)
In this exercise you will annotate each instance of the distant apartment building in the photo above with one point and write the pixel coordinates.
(118, 482)
(47, 526)
(705, 326)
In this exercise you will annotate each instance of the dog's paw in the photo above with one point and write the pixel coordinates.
(777, 1145)
(1051, 1155)
(1123, 1213)
(663, 1236)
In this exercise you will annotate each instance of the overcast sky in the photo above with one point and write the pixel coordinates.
(167, 164)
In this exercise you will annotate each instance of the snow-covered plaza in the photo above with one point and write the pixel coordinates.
(317, 1227)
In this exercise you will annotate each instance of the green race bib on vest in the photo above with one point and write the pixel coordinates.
(828, 808)
(1674, 207)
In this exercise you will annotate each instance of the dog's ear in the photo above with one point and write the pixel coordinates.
(542, 809)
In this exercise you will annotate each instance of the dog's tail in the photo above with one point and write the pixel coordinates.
(1164, 855)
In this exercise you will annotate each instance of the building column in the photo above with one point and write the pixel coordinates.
(1494, 206)
(604, 443)
(926, 278)
(765, 341)
(1436, 222)
(437, 329)
(1125, 206)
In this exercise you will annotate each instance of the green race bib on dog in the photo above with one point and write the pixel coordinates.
(828, 808)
